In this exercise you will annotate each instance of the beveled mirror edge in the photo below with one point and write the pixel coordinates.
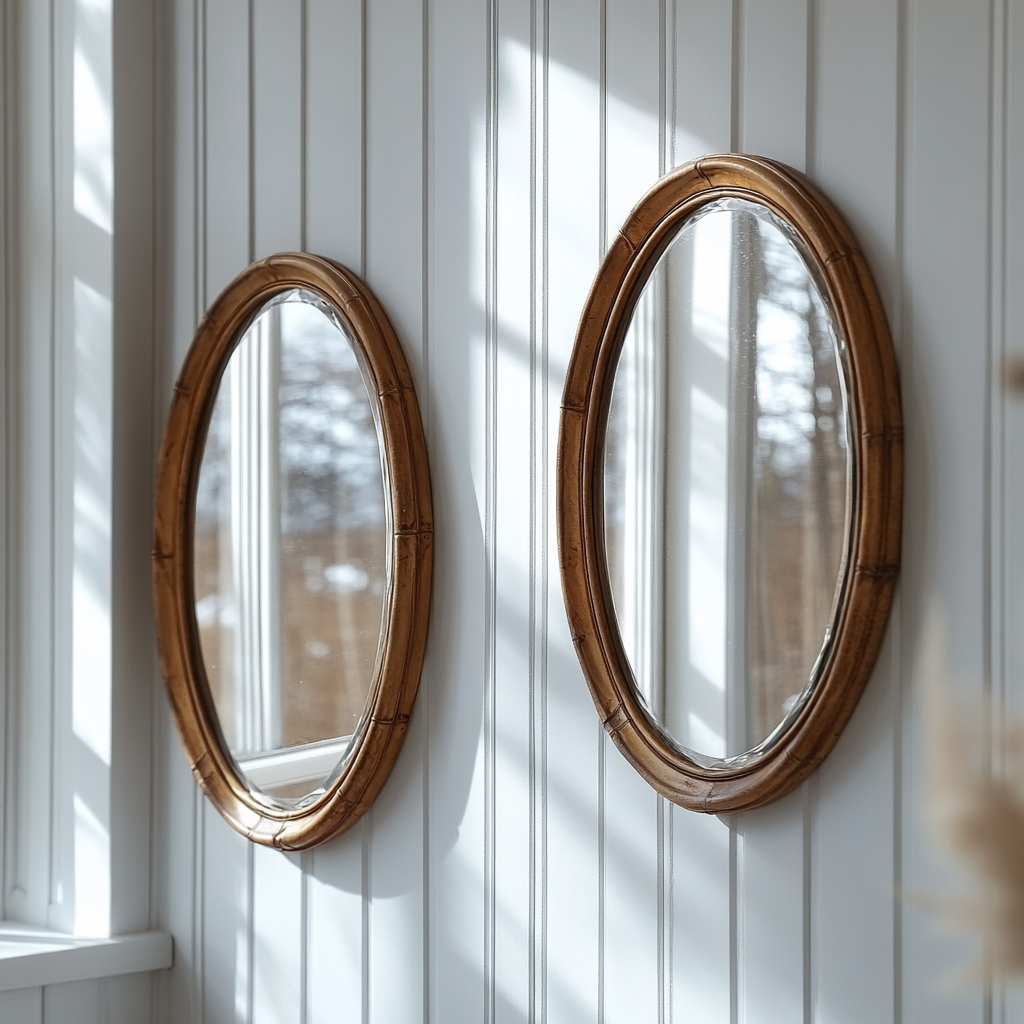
(878, 469)
(407, 601)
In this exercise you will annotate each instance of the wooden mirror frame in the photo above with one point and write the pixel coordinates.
(406, 611)
(877, 469)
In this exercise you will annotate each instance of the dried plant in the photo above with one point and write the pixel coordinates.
(977, 814)
(1013, 374)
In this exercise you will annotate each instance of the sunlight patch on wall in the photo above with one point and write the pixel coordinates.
(93, 113)
(92, 872)
(90, 644)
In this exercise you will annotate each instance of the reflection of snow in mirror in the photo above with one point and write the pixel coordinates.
(317, 649)
(216, 609)
(346, 578)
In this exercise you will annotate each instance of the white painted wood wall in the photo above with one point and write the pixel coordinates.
(470, 159)
(125, 1000)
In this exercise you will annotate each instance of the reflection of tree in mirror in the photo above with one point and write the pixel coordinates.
(727, 479)
(330, 458)
(329, 451)
(799, 505)
(798, 388)
(290, 542)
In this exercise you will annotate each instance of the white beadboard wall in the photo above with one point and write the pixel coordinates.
(123, 1000)
(470, 159)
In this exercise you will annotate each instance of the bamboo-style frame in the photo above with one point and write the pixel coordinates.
(407, 599)
(874, 555)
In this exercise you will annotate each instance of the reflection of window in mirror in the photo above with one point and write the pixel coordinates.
(726, 481)
(290, 556)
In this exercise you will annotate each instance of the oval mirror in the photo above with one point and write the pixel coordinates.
(292, 564)
(730, 495)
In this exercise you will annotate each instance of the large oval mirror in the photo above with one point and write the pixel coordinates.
(292, 565)
(730, 490)
(727, 482)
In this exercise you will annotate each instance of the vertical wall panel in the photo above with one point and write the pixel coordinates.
(772, 79)
(177, 877)
(276, 912)
(394, 269)
(226, 239)
(277, 940)
(701, 895)
(333, 91)
(22, 1006)
(946, 393)
(575, 737)
(771, 856)
(632, 105)
(1007, 167)
(224, 214)
(227, 930)
(277, 125)
(134, 441)
(633, 954)
(334, 893)
(700, 75)
(456, 263)
(334, 931)
(79, 1002)
(853, 896)
(543, 571)
(771, 866)
(1008, 243)
(700, 920)
(27, 837)
(8, 288)
(127, 999)
(177, 854)
(514, 363)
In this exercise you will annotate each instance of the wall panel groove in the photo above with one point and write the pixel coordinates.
(490, 510)
(424, 697)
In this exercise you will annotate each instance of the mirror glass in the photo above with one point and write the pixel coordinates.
(728, 483)
(291, 547)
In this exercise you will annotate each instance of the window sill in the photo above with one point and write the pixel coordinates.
(32, 957)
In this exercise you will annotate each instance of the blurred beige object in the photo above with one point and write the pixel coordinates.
(978, 817)
(1013, 374)
(974, 801)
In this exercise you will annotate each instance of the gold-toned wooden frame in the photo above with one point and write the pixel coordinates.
(877, 467)
(407, 600)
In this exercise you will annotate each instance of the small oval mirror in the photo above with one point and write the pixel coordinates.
(291, 547)
(293, 552)
(730, 485)
(727, 482)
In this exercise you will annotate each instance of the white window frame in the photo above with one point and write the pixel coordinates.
(77, 417)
